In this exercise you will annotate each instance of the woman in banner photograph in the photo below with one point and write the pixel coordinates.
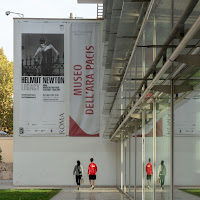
(49, 56)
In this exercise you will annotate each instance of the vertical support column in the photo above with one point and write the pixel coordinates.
(130, 84)
(135, 184)
(154, 33)
(122, 160)
(136, 70)
(122, 143)
(125, 147)
(172, 121)
(122, 105)
(143, 154)
(125, 100)
(154, 149)
(172, 142)
(129, 163)
(143, 56)
(143, 121)
(117, 171)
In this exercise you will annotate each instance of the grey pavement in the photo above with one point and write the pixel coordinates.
(164, 194)
(99, 193)
(105, 193)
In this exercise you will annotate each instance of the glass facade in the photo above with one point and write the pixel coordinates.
(157, 89)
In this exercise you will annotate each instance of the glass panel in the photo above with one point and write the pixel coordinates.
(156, 32)
(132, 173)
(163, 131)
(118, 175)
(149, 152)
(139, 167)
(126, 175)
(187, 125)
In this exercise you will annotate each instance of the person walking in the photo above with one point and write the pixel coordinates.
(78, 172)
(92, 169)
(162, 174)
(149, 173)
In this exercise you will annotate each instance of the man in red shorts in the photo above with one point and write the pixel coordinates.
(92, 169)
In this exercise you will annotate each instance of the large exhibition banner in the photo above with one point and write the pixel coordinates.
(42, 93)
(84, 80)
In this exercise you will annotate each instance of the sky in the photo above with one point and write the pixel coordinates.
(38, 9)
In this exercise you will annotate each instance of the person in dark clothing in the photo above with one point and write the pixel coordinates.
(78, 172)
(49, 56)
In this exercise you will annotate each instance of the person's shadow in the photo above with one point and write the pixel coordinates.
(92, 196)
(163, 196)
(78, 196)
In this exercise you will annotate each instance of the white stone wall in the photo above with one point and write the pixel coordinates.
(50, 161)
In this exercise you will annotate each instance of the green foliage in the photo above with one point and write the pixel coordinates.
(6, 93)
(195, 192)
(35, 194)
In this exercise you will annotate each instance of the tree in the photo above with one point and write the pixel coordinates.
(6, 93)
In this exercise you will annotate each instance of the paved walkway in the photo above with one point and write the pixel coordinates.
(164, 194)
(102, 193)
(105, 193)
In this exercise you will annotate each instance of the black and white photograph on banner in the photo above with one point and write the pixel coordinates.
(42, 54)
